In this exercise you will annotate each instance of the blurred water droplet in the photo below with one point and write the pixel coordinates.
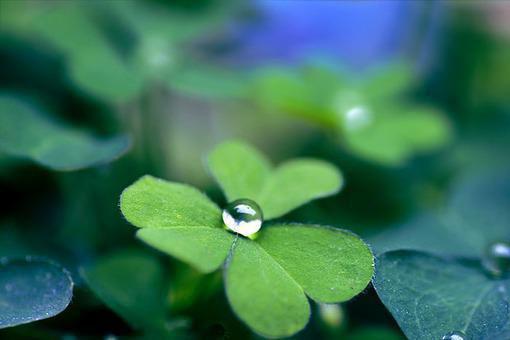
(456, 335)
(243, 216)
(331, 314)
(357, 117)
(352, 110)
(497, 259)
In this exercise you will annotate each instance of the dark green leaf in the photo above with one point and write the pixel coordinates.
(26, 132)
(32, 290)
(131, 283)
(430, 296)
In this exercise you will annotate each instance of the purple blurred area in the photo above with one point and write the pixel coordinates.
(356, 34)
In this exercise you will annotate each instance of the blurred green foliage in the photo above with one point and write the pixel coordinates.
(423, 153)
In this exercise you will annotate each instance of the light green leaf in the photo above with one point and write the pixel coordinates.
(177, 219)
(31, 290)
(239, 169)
(243, 172)
(430, 296)
(262, 293)
(136, 295)
(389, 81)
(295, 183)
(205, 248)
(394, 133)
(26, 132)
(331, 265)
(207, 81)
(155, 203)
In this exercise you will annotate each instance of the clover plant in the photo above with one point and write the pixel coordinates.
(151, 46)
(366, 114)
(268, 275)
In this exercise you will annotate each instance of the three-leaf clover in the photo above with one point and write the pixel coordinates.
(367, 114)
(266, 278)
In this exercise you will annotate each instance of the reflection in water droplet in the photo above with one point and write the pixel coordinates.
(357, 117)
(351, 110)
(497, 260)
(243, 216)
(457, 335)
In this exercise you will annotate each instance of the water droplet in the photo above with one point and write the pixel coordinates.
(243, 216)
(497, 259)
(456, 335)
(331, 314)
(352, 110)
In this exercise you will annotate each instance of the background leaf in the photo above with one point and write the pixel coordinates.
(476, 215)
(131, 283)
(430, 296)
(25, 132)
(31, 290)
(331, 265)
(262, 293)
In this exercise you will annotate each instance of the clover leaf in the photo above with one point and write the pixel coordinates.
(243, 172)
(145, 46)
(367, 114)
(431, 296)
(32, 289)
(138, 296)
(26, 132)
(266, 278)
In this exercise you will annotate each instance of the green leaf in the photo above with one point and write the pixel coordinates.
(295, 183)
(72, 29)
(476, 215)
(390, 81)
(393, 133)
(26, 132)
(205, 248)
(331, 265)
(155, 203)
(212, 82)
(31, 290)
(179, 220)
(367, 114)
(262, 293)
(430, 296)
(243, 172)
(136, 295)
(239, 169)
